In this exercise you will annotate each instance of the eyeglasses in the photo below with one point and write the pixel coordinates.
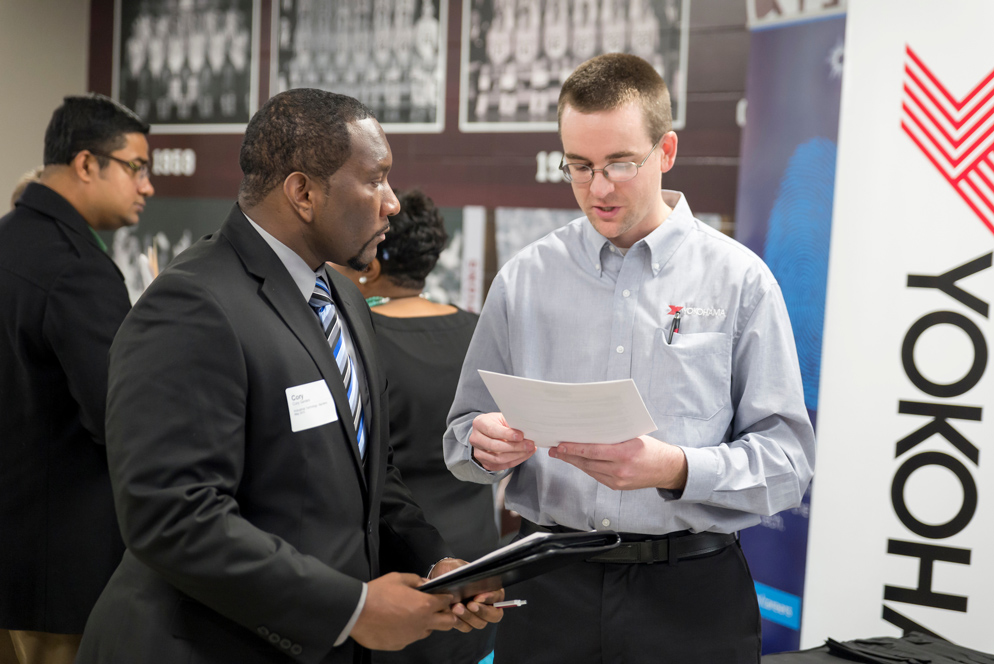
(617, 171)
(139, 169)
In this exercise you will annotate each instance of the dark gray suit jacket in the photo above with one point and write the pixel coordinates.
(247, 542)
(61, 302)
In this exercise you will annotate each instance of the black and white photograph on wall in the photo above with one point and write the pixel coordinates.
(444, 283)
(389, 54)
(517, 53)
(168, 227)
(188, 66)
(516, 228)
(141, 255)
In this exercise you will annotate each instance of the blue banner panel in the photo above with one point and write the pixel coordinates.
(784, 214)
(779, 607)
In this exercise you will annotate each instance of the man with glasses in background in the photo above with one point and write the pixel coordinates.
(638, 289)
(62, 299)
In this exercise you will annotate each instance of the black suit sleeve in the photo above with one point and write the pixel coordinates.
(177, 426)
(408, 543)
(83, 312)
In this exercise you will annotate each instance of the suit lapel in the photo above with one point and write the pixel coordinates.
(280, 291)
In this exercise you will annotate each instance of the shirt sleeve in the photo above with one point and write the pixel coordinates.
(489, 350)
(355, 617)
(768, 463)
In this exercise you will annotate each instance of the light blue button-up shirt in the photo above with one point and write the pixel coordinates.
(571, 308)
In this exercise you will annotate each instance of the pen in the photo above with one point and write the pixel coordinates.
(674, 326)
(506, 604)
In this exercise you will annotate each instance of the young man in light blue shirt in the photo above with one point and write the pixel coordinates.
(639, 289)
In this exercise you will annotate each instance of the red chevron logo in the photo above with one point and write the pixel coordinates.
(957, 135)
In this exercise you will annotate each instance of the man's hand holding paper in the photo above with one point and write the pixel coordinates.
(610, 416)
(496, 446)
(639, 463)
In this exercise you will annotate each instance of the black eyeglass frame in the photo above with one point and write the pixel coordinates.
(564, 167)
(139, 169)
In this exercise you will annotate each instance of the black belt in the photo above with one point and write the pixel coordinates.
(637, 548)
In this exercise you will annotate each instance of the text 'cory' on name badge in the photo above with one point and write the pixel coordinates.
(311, 405)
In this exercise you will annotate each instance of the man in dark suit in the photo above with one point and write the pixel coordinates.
(248, 452)
(63, 300)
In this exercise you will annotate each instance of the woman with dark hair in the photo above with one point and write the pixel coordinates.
(422, 345)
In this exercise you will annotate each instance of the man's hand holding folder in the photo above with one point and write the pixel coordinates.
(528, 557)
(393, 595)
(478, 610)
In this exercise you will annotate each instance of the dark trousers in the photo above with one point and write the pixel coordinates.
(452, 647)
(702, 610)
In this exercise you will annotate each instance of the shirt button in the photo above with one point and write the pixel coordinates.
(655, 266)
(626, 292)
(285, 644)
(606, 522)
(620, 349)
(274, 638)
(296, 649)
(598, 267)
(262, 631)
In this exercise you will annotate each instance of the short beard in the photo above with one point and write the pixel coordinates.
(356, 263)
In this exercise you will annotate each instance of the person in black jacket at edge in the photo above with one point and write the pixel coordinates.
(62, 299)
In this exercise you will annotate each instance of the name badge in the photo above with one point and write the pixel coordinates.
(311, 405)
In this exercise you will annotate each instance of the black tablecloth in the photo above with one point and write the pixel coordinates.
(913, 648)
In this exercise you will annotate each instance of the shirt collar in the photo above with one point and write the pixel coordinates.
(300, 271)
(662, 242)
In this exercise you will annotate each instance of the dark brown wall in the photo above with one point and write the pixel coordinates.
(498, 169)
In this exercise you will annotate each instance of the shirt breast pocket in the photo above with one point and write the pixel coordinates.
(690, 377)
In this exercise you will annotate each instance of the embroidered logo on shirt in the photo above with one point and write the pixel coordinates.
(696, 311)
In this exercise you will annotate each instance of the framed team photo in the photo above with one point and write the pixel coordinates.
(188, 67)
(516, 54)
(388, 54)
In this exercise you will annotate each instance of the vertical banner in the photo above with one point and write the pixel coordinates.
(474, 233)
(901, 534)
(784, 214)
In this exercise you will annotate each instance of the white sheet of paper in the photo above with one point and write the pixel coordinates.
(550, 413)
(311, 405)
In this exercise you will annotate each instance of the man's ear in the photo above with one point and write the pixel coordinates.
(667, 146)
(300, 192)
(85, 165)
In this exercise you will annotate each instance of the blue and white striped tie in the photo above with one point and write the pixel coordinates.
(324, 306)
